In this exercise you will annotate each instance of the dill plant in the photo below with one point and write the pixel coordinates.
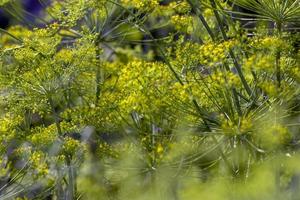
(148, 99)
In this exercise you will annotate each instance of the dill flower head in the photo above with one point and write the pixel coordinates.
(275, 136)
(183, 23)
(145, 4)
(238, 126)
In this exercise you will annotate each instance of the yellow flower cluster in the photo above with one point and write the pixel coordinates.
(181, 92)
(159, 148)
(44, 136)
(145, 4)
(274, 136)
(260, 62)
(232, 79)
(70, 146)
(269, 87)
(8, 128)
(106, 150)
(36, 42)
(42, 41)
(295, 72)
(24, 55)
(217, 52)
(270, 43)
(18, 32)
(238, 126)
(143, 85)
(208, 13)
(38, 163)
(191, 54)
(180, 7)
(183, 23)
(220, 79)
(68, 12)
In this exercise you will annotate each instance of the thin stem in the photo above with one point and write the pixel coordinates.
(11, 35)
(202, 19)
(72, 180)
(200, 110)
(55, 115)
(278, 55)
(235, 62)
(98, 73)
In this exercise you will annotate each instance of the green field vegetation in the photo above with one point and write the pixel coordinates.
(151, 99)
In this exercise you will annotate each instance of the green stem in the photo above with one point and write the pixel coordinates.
(98, 73)
(208, 29)
(71, 182)
(278, 56)
(202, 19)
(277, 65)
(201, 111)
(223, 156)
(11, 35)
(235, 62)
(55, 115)
(237, 102)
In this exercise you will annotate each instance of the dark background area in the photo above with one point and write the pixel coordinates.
(31, 6)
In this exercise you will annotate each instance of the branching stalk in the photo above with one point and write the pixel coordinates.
(235, 62)
(98, 73)
(278, 56)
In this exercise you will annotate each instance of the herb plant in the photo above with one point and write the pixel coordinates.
(150, 99)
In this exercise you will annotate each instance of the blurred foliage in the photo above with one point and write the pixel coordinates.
(151, 99)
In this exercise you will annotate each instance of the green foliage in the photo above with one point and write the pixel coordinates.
(280, 11)
(150, 100)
